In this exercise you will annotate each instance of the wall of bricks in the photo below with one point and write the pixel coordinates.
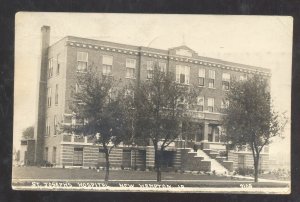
(248, 160)
(150, 157)
(66, 80)
(192, 162)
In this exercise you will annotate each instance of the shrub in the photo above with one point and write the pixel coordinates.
(245, 171)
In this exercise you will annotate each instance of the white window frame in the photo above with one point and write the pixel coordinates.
(225, 79)
(49, 95)
(54, 124)
(73, 120)
(162, 66)
(57, 64)
(50, 67)
(47, 127)
(56, 94)
(82, 58)
(211, 103)
(78, 88)
(46, 153)
(212, 77)
(212, 74)
(107, 65)
(150, 69)
(200, 102)
(183, 70)
(130, 65)
(201, 75)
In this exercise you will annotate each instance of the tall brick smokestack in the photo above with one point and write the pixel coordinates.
(40, 122)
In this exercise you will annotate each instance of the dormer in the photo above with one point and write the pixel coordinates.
(183, 51)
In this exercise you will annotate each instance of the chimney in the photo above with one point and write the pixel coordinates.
(40, 123)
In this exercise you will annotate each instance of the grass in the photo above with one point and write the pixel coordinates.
(132, 177)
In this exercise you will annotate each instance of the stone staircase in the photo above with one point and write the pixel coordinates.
(215, 164)
(228, 165)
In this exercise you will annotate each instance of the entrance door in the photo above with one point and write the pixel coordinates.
(199, 134)
(167, 159)
(78, 156)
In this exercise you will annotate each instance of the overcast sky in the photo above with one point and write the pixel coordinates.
(264, 41)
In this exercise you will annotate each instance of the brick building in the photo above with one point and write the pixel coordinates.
(62, 61)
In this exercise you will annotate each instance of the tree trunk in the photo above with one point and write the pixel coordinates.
(107, 165)
(255, 160)
(157, 162)
(256, 163)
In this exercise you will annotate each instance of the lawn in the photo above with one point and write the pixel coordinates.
(26, 175)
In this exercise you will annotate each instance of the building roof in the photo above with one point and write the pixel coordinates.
(163, 52)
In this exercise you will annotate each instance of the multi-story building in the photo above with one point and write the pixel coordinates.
(62, 61)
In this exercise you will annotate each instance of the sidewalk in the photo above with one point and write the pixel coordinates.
(259, 179)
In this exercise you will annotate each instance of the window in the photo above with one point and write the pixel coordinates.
(107, 62)
(182, 103)
(78, 156)
(49, 92)
(50, 67)
(55, 125)
(58, 64)
(130, 68)
(109, 96)
(54, 155)
(200, 103)
(211, 76)
(150, 66)
(210, 104)
(201, 77)
(217, 134)
(56, 94)
(225, 81)
(224, 104)
(243, 77)
(162, 66)
(210, 133)
(82, 61)
(182, 74)
(78, 88)
(46, 154)
(73, 121)
(47, 128)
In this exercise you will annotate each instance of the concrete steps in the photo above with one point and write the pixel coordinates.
(215, 165)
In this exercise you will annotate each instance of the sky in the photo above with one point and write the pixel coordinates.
(264, 41)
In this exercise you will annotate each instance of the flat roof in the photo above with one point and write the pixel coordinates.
(159, 51)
